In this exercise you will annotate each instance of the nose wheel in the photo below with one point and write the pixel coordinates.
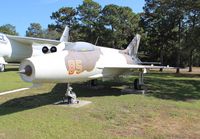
(70, 96)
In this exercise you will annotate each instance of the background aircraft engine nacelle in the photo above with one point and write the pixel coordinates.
(53, 49)
(50, 68)
(45, 49)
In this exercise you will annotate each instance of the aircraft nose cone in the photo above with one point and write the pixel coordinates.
(27, 70)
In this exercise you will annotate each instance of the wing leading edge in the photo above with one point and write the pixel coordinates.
(30, 40)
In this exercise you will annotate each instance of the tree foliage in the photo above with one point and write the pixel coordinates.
(121, 24)
(8, 29)
(170, 25)
(35, 30)
(112, 25)
(170, 29)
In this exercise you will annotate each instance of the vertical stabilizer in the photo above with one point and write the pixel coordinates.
(65, 35)
(132, 48)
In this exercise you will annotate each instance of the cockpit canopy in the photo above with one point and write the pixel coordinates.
(79, 46)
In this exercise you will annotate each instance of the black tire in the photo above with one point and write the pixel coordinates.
(137, 86)
(45, 49)
(93, 82)
(2, 68)
(53, 49)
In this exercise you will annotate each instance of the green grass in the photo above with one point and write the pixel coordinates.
(170, 110)
(10, 80)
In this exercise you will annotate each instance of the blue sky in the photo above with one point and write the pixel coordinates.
(21, 13)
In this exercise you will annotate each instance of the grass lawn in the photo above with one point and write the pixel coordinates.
(170, 109)
(10, 80)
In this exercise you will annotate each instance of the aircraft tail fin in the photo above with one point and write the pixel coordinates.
(132, 48)
(65, 35)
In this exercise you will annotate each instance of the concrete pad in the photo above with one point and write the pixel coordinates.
(76, 105)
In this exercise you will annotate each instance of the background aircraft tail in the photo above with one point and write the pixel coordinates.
(132, 48)
(65, 35)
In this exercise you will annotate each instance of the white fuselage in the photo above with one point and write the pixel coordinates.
(70, 66)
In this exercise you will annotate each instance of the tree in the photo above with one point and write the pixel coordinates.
(90, 22)
(8, 29)
(157, 26)
(120, 23)
(164, 22)
(192, 34)
(35, 30)
(89, 14)
(65, 16)
(51, 34)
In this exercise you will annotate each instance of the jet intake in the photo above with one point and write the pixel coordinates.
(45, 49)
(53, 49)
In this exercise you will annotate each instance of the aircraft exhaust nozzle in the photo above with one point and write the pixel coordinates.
(50, 68)
(27, 70)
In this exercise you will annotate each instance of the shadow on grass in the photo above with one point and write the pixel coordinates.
(173, 89)
(179, 90)
(29, 102)
(56, 94)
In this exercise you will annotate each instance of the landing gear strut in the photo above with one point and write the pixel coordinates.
(138, 83)
(70, 96)
(2, 67)
(93, 83)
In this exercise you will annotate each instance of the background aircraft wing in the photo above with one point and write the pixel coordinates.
(134, 67)
(30, 40)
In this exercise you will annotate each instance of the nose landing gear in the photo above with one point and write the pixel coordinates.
(2, 67)
(70, 96)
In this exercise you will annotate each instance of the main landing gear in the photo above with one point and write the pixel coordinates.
(70, 96)
(2, 67)
(139, 82)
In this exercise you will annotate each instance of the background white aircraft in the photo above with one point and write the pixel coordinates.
(82, 61)
(15, 48)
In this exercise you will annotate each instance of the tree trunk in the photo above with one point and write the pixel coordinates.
(190, 61)
(190, 68)
(161, 59)
(177, 70)
(179, 49)
(178, 62)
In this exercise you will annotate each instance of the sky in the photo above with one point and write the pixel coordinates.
(21, 13)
